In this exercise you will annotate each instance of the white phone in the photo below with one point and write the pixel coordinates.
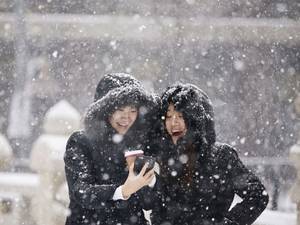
(133, 153)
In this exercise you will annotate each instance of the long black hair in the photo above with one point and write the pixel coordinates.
(198, 115)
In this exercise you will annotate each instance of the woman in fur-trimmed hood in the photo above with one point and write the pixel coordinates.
(199, 176)
(102, 189)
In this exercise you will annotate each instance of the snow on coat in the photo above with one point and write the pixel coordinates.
(95, 164)
(199, 175)
(114, 80)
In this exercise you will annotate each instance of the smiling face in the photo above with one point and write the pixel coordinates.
(123, 118)
(175, 124)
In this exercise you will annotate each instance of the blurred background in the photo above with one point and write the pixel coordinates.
(244, 53)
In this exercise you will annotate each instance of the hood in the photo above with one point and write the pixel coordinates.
(96, 122)
(114, 80)
(196, 108)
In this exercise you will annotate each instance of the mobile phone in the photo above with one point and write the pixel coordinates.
(133, 153)
(140, 162)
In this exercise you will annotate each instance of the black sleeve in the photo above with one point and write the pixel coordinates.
(248, 187)
(150, 195)
(80, 175)
(158, 204)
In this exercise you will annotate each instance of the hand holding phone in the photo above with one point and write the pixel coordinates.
(140, 161)
(137, 157)
(131, 156)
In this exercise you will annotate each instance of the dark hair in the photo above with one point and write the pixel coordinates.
(197, 112)
(196, 108)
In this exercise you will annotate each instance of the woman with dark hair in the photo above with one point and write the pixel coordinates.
(101, 188)
(199, 176)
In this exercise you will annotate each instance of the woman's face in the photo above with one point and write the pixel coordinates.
(123, 118)
(175, 124)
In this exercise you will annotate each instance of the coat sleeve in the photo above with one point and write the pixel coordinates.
(246, 185)
(158, 203)
(82, 184)
(149, 196)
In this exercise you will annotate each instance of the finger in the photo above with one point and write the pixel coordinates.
(149, 173)
(143, 170)
(130, 160)
(149, 179)
(131, 168)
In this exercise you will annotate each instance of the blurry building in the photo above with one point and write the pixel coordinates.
(244, 54)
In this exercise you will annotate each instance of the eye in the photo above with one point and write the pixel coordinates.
(133, 108)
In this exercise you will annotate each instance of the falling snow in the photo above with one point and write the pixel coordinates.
(244, 54)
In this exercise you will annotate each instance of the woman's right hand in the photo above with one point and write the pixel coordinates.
(135, 182)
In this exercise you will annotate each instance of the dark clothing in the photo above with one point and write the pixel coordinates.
(95, 165)
(207, 196)
(94, 171)
(199, 177)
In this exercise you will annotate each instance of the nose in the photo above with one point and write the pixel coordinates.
(125, 115)
(174, 120)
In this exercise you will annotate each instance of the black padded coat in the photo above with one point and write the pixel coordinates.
(95, 164)
(199, 176)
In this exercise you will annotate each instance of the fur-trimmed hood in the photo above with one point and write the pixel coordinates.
(96, 122)
(196, 108)
(114, 80)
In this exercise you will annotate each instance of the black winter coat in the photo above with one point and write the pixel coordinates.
(95, 164)
(206, 198)
(199, 176)
(93, 176)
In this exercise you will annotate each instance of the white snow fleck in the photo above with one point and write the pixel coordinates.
(183, 158)
(141, 28)
(233, 143)
(133, 219)
(55, 54)
(242, 141)
(143, 110)
(7, 26)
(105, 176)
(174, 173)
(171, 162)
(113, 44)
(217, 176)
(239, 65)
(117, 138)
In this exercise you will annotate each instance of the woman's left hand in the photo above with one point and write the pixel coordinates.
(135, 182)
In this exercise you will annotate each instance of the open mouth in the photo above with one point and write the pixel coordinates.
(177, 133)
